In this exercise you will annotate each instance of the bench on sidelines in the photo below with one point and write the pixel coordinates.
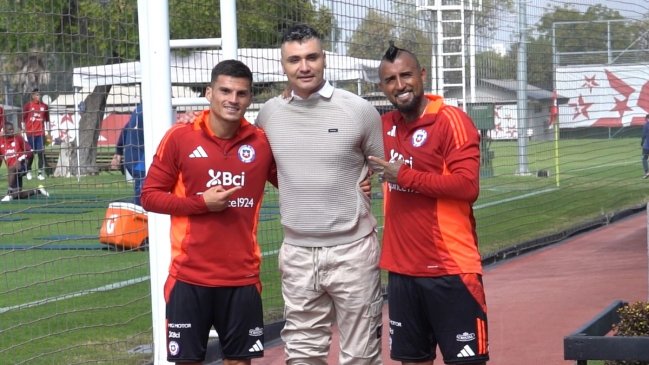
(104, 157)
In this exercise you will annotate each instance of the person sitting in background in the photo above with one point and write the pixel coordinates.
(15, 152)
(130, 151)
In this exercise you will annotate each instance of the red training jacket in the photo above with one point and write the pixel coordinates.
(14, 148)
(35, 115)
(210, 249)
(429, 224)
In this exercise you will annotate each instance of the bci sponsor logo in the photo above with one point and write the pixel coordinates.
(225, 178)
(396, 156)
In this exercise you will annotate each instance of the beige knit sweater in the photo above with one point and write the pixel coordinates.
(321, 147)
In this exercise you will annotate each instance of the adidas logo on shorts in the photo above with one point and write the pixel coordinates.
(466, 352)
(258, 346)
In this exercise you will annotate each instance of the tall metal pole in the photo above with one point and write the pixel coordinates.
(156, 109)
(609, 51)
(472, 68)
(521, 92)
(555, 64)
(229, 29)
(436, 54)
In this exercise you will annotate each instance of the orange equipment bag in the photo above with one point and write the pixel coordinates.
(125, 225)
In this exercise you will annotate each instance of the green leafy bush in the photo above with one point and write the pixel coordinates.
(634, 321)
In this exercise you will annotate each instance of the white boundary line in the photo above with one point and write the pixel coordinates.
(108, 287)
(490, 204)
(104, 288)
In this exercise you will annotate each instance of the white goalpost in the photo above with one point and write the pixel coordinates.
(157, 108)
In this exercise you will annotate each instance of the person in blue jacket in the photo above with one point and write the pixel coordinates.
(644, 142)
(130, 151)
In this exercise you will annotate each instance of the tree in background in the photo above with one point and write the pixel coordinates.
(491, 65)
(42, 41)
(260, 24)
(371, 37)
(586, 36)
(412, 29)
(581, 35)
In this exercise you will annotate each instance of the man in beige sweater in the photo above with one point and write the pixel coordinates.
(321, 138)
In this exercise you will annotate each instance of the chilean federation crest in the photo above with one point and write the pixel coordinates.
(246, 153)
(419, 137)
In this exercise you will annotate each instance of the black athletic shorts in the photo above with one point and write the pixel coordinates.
(235, 312)
(448, 311)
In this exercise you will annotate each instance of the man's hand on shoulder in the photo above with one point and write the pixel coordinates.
(216, 198)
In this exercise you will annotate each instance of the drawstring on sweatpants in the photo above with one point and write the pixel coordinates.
(316, 274)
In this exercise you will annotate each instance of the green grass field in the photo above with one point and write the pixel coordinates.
(84, 303)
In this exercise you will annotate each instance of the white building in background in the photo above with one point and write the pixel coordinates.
(120, 103)
(187, 71)
(503, 95)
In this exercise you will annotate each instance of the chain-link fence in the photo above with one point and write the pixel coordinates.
(559, 91)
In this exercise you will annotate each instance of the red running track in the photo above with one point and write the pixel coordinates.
(537, 299)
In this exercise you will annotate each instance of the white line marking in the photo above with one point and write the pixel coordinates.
(108, 287)
(490, 204)
(104, 288)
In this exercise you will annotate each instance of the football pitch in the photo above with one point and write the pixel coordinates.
(66, 298)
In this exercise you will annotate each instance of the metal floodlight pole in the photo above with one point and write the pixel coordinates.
(521, 91)
(556, 126)
(472, 67)
(609, 51)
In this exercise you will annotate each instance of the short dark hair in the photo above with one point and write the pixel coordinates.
(35, 90)
(300, 33)
(233, 68)
(393, 52)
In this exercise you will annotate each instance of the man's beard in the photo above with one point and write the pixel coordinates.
(412, 106)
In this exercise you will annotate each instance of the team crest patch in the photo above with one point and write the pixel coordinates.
(173, 348)
(419, 137)
(246, 153)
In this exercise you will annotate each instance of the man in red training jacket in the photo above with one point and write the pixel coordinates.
(430, 246)
(209, 175)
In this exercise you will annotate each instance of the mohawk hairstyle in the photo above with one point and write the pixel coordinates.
(393, 52)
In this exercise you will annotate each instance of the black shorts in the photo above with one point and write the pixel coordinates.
(235, 312)
(448, 311)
